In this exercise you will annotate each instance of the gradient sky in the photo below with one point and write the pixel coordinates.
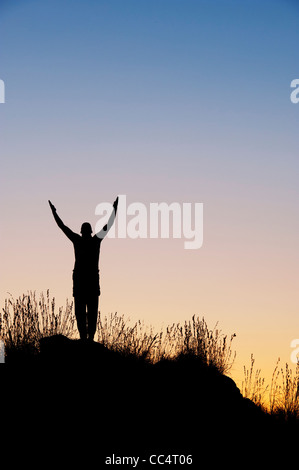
(173, 100)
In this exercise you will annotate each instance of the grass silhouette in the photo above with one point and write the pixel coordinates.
(193, 338)
(136, 391)
(26, 320)
(280, 398)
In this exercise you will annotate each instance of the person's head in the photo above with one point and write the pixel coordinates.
(86, 230)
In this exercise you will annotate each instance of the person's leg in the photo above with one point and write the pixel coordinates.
(92, 315)
(80, 312)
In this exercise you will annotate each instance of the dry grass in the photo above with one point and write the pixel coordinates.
(115, 334)
(24, 321)
(253, 386)
(192, 338)
(281, 397)
(284, 397)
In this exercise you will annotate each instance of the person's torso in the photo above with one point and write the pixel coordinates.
(87, 254)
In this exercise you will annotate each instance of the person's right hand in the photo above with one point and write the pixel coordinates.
(52, 207)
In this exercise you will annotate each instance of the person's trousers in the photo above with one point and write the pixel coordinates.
(86, 311)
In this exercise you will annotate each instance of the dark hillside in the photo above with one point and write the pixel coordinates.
(86, 401)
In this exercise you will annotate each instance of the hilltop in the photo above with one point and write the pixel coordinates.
(85, 400)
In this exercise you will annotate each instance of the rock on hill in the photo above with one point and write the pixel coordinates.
(88, 403)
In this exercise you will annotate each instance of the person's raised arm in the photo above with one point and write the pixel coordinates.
(110, 222)
(67, 231)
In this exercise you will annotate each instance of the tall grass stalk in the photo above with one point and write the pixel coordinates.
(284, 399)
(192, 338)
(281, 398)
(24, 321)
(253, 386)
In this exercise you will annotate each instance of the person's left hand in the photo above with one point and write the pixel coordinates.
(115, 204)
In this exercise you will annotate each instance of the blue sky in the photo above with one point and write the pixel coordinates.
(107, 73)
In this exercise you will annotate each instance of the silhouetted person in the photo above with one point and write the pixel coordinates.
(86, 280)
